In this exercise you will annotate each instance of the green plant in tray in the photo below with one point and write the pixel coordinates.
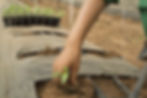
(17, 10)
(60, 13)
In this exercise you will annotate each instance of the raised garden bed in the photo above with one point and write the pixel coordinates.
(17, 15)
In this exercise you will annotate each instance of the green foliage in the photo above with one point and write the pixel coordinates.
(17, 10)
(14, 10)
(60, 13)
(62, 76)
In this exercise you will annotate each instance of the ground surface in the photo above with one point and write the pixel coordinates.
(105, 84)
(117, 34)
(108, 86)
(123, 36)
(83, 90)
(113, 33)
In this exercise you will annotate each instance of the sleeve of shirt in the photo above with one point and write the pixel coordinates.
(112, 1)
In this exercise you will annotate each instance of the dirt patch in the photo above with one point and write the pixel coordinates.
(85, 90)
(109, 87)
(50, 90)
(111, 90)
(120, 35)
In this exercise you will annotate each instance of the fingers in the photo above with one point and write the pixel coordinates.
(68, 60)
(74, 73)
(61, 71)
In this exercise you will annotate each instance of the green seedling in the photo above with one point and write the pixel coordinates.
(62, 76)
(17, 10)
(65, 76)
(27, 10)
(60, 13)
(36, 10)
(46, 12)
(50, 12)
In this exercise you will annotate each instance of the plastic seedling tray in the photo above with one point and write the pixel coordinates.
(27, 16)
(31, 20)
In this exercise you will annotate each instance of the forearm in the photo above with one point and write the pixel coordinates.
(91, 9)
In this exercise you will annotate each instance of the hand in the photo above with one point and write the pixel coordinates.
(69, 58)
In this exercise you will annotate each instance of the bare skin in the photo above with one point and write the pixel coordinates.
(70, 56)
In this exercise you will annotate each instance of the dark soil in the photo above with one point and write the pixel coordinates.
(111, 90)
(85, 89)
(50, 90)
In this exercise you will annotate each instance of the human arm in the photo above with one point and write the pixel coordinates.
(70, 56)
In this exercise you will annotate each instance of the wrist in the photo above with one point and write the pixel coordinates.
(73, 43)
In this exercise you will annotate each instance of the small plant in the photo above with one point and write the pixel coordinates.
(16, 15)
(17, 10)
(14, 10)
(62, 76)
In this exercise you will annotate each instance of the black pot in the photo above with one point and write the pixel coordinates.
(8, 21)
(53, 21)
(31, 20)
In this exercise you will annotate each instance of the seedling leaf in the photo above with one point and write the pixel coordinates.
(65, 76)
(17, 10)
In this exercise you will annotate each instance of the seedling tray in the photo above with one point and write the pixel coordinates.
(16, 15)
(31, 20)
